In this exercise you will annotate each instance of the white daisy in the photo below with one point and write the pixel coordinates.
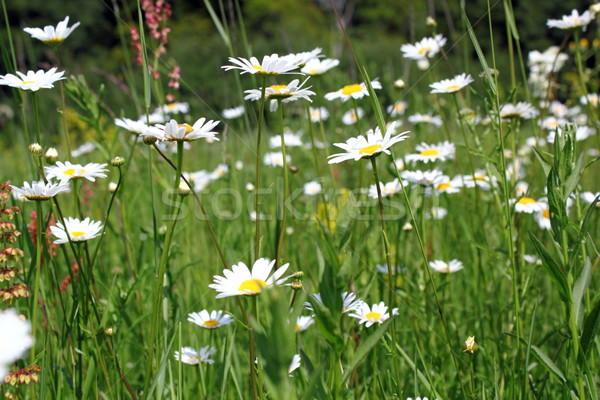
(354, 91)
(212, 320)
(40, 190)
(174, 108)
(349, 302)
(304, 322)
(479, 178)
(285, 93)
(434, 120)
(444, 267)
(423, 178)
(447, 185)
(295, 364)
(572, 21)
(520, 110)
(542, 217)
(352, 116)
(532, 259)
(370, 146)
(51, 35)
(79, 230)
(312, 188)
(316, 66)
(387, 190)
(370, 315)
(290, 139)
(275, 159)
(174, 132)
(300, 59)
(33, 81)
(547, 62)
(527, 205)
(219, 171)
(132, 126)
(239, 281)
(558, 109)
(591, 98)
(581, 133)
(589, 197)
(551, 123)
(436, 213)
(427, 47)
(398, 108)
(451, 85)
(383, 269)
(270, 65)
(433, 152)
(232, 113)
(189, 355)
(67, 171)
(15, 339)
(83, 149)
(318, 114)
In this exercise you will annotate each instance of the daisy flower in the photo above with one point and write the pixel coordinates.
(40, 191)
(451, 85)
(436, 213)
(15, 339)
(174, 132)
(591, 98)
(270, 65)
(479, 178)
(370, 146)
(219, 171)
(232, 113)
(426, 48)
(589, 197)
(520, 110)
(132, 126)
(189, 355)
(33, 81)
(447, 185)
(175, 108)
(240, 281)
(295, 364)
(312, 188)
(387, 190)
(275, 159)
(551, 123)
(67, 171)
(434, 120)
(303, 322)
(370, 315)
(318, 114)
(354, 91)
(444, 267)
(79, 230)
(527, 205)
(572, 21)
(433, 152)
(51, 35)
(558, 109)
(300, 59)
(352, 116)
(542, 217)
(581, 133)
(212, 320)
(349, 302)
(285, 93)
(532, 259)
(290, 139)
(398, 108)
(316, 66)
(83, 149)
(547, 62)
(423, 178)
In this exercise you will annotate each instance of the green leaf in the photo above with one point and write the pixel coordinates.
(546, 165)
(573, 179)
(548, 363)
(580, 288)
(590, 327)
(364, 349)
(552, 268)
(482, 61)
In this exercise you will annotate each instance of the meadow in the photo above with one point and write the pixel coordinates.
(423, 228)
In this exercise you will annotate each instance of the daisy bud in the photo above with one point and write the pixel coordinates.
(149, 140)
(493, 72)
(470, 345)
(184, 189)
(298, 275)
(294, 169)
(110, 331)
(407, 227)
(297, 285)
(51, 155)
(239, 165)
(112, 187)
(399, 84)
(249, 187)
(117, 161)
(430, 22)
(36, 149)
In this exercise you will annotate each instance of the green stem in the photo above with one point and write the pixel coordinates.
(285, 187)
(36, 117)
(251, 355)
(258, 163)
(38, 267)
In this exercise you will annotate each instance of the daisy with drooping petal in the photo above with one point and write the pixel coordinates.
(132, 126)
(423, 178)
(434, 120)
(79, 231)
(295, 364)
(451, 85)
(33, 81)
(572, 21)
(354, 91)
(67, 171)
(51, 35)
(318, 114)
(352, 116)
(370, 146)
(232, 113)
(270, 65)
(240, 281)
(387, 190)
(433, 152)
(275, 159)
(285, 93)
(212, 320)
(398, 108)
(316, 66)
(189, 355)
(527, 205)
(444, 267)
(349, 302)
(303, 322)
(300, 59)
(312, 188)
(40, 191)
(370, 315)
(15, 339)
(174, 132)
(522, 110)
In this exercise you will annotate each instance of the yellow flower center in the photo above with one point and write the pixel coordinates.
(553, 124)
(526, 200)
(258, 67)
(546, 213)
(398, 106)
(252, 286)
(277, 88)
(54, 40)
(27, 82)
(350, 89)
(370, 149)
(171, 106)
(373, 315)
(313, 72)
(480, 178)
(453, 87)
(430, 153)
(211, 323)
(187, 127)
(443, 186)
(297, 327)
(70, 171)
(424, 49)
(77, 234)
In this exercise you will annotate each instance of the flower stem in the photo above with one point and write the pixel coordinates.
(285, 189)
(258, 161)
(38, 267)
(251, 355)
